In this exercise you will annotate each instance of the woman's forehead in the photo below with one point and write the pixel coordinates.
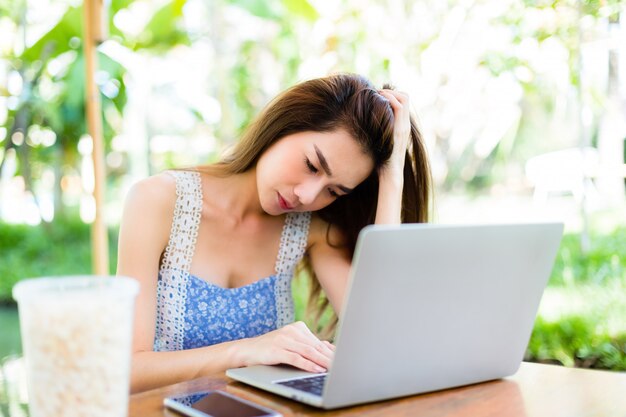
(341, 153)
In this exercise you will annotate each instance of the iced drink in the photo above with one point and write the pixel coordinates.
(77, 337)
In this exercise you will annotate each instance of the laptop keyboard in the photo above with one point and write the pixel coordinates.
(310, 384)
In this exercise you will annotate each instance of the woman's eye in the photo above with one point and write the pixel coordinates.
(310, 166)
(332, 193)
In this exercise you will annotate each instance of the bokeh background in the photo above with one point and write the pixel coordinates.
(522, 104)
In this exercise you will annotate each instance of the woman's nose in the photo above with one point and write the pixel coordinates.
(307, 193)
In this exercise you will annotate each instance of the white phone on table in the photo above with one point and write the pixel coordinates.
(216, 404)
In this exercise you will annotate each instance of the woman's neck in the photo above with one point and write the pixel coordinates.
(235, 196)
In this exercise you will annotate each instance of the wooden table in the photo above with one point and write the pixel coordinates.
(535, 390)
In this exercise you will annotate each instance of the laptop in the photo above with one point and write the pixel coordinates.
(428, 307)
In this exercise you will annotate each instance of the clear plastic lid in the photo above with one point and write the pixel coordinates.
(75, 286)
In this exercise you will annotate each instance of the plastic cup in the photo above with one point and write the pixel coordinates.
(77, 338)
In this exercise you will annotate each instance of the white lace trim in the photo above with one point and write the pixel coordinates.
(293, 242)
(174, 270)
(187, 213)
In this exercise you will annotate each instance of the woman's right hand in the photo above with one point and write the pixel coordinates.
(293, 344)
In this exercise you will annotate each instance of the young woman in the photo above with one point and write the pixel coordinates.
(215, 248)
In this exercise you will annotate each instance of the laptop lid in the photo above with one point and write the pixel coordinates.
(434, 306)
(430, 307)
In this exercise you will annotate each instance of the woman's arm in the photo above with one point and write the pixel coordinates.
(391, 177)
(144, 234)
(332, 265)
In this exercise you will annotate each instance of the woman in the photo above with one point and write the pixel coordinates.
(324, 159)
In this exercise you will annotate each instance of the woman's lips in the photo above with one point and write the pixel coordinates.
(283, 203)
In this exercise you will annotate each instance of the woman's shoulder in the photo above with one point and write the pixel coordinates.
(148, 215)
(320, 231)
(154, 193)
(317, 225)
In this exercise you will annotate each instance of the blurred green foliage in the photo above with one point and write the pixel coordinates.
(575, 341)
(10, 342)
(59, 248)
(605, 260)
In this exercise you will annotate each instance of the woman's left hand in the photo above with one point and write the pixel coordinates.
(399, 102)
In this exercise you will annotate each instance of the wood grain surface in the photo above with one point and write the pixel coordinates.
(535, 390)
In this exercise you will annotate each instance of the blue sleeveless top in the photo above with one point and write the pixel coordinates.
(192, 312)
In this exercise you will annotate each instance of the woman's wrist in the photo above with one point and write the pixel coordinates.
(237, 356)
(389, 206)
(391, 176)
(233, 355)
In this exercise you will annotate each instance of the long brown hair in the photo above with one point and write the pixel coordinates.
(349, 102)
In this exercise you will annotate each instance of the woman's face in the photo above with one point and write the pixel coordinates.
(307, 171)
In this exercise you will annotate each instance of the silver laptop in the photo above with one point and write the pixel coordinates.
(428, 307)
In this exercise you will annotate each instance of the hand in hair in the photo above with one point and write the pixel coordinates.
(399, 102)
(391, 175)
(293, 344)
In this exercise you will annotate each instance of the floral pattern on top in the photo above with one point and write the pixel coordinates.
(217, 315)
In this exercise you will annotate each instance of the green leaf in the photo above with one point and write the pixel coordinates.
(162, 31)
(117, 5)
(57, 40)
(301, 8)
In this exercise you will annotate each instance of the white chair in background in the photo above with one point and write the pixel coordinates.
(562, 172)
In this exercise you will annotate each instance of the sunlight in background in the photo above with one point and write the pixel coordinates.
(491, 82)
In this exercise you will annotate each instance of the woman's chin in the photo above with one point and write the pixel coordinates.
(271, 209)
